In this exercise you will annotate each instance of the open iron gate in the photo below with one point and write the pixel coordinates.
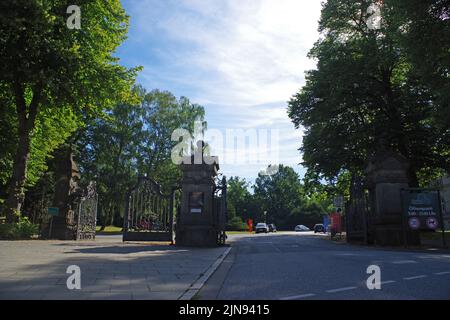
(86, 211)
(149, 214)
(357, 212)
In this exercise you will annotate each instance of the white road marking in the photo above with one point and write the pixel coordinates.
(442, 273)
(341, 289)
(403, 261)
(301, 296)
(276, 248)
(386, 282)
(415, 277)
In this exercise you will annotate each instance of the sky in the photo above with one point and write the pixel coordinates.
(242, 60)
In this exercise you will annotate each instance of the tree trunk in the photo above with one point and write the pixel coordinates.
(16, 193)
(26, 120)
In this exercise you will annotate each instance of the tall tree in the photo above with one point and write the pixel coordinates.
(134, 140)
(162, 114)
(46, 66)
(279, 194)
(365, 92)
(238, 195)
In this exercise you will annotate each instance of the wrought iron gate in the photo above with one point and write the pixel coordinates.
(87, 213)
(149, 214)
(357, 212)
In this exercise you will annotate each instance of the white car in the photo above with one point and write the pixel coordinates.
(301, 228)
(261, 227)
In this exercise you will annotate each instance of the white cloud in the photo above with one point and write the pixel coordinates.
(242, 60)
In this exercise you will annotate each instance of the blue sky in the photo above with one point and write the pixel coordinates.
(240, 59)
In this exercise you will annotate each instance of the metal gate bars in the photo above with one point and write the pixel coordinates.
(149, 213)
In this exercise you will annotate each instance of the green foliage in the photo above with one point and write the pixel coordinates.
(8, 135)
(162, 113)
(308, 215)
(64, 66)
(52, 76)
(133, 140)
(236, 224)
(238, 197)
(279, 194)
(53, 128)
(369, 89)
(23, 229)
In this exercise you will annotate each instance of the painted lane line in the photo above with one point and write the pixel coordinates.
(403, 261)
(341, 289)
(385, 282)
(415, 277)
(276, 248)
(301, 296)
(442, 273)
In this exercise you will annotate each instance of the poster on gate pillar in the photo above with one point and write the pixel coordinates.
(336, 222)
(250, 225)
(422, 209)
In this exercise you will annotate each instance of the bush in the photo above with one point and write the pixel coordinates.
(23, 229)
(236, 224)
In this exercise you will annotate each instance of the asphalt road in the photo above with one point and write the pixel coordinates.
(296, 266)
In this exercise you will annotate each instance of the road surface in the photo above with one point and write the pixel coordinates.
(296, 266)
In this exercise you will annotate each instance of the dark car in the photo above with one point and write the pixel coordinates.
(319, 228)
(272, 228)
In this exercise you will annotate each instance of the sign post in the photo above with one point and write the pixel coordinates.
(422, 211)
(444, 244)
(338, 202)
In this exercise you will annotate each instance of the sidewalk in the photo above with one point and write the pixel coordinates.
(110, 269)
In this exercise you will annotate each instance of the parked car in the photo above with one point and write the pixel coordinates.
(319, 228)
(261, 227)
(272, 228)
(301, 228)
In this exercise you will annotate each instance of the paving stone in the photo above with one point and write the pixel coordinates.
(109, 270)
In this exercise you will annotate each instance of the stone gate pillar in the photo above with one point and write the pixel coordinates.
(387, 175)
(66, 192)
(195, 225)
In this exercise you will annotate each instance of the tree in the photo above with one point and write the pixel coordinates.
(279, 194)
(365, 93)
(108, 150)
(162, 114)
(238, 196)
(46, 66)
(424, 27)
(134, 140)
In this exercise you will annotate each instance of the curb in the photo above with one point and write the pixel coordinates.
(198, 284)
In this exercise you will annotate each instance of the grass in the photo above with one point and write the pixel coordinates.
(237, 232)
(109, 230)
